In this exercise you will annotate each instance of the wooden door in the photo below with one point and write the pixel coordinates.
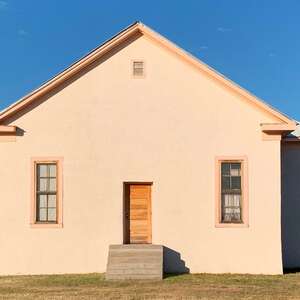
(138, 214)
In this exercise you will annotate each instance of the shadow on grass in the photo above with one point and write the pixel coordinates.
(174, 275)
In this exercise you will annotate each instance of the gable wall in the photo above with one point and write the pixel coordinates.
(167, 129)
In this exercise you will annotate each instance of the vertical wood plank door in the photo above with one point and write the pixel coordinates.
(139, 214)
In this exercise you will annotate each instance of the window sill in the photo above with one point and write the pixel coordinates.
(45, 225)
(231, 225)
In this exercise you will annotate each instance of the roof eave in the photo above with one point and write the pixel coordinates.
(278, 128)
(8, 130)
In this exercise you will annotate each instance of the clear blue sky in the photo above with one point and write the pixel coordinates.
(256, 43)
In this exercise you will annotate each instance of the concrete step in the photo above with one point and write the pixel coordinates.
(135, 262)
(133, 254)
(126, 266)
(135, 271)
(132, 277)
(132, 259)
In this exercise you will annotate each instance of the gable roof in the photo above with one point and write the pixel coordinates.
(122, 36)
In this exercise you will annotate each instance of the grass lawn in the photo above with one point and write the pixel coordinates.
(196, 286)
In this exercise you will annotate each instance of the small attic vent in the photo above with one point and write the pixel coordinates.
(138, 68)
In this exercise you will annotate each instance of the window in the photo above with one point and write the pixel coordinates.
(138, 68)
(47, 192)
(232, 206)
(231, 192)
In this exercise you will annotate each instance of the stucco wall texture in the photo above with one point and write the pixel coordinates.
(166, 128)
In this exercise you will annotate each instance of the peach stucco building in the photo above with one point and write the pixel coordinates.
(139, 142)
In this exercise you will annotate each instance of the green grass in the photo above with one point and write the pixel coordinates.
(189, 286)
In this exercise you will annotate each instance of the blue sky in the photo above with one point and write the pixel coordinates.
(256, 43)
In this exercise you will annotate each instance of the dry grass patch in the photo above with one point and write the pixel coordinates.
(190, 286)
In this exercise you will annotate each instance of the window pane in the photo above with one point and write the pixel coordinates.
(52, 170)
(236, 215)
(42, 184)
(237, 200)
(235, 166)
(52, 184)
(52, 201)
(230, 212)
(228, 200)
(51, 214)
(236, 183)
(225, 168)
(42, 214)
(42, 201)
(225, 183)
(235, 172)
(42, 170)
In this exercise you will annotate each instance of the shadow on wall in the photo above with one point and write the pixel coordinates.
(290, 206)
(173, 262)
